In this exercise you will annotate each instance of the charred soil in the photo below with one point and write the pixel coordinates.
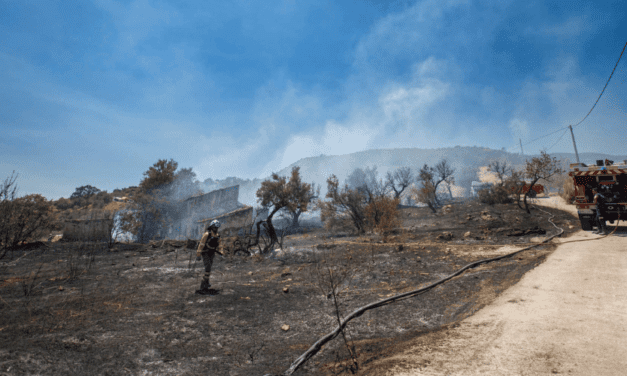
(70, 308)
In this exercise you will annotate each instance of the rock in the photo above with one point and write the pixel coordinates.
(250, 273)
(286, 290)
(445, 236)
(467, 234)
(61, 288)
(285, 328)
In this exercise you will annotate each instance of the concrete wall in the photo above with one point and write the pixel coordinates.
(230, 223)
(184, 223)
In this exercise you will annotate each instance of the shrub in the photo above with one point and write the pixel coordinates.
(497, 194)
(344, 205)
(568, 190)
(23, 219)
(382, 215)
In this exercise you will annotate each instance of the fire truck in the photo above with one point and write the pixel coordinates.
(606, 178)
(524, 188)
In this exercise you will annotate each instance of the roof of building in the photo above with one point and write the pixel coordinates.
(207, 193)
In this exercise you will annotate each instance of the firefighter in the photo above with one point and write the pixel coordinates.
(207, 248)
(599, 201)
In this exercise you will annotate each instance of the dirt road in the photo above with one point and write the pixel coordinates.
(566, 316)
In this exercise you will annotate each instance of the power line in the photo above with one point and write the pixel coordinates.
(608, 81)
(546, 135)
(589, 112)
(560, 139)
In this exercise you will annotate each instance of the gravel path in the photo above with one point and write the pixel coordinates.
(566, 316)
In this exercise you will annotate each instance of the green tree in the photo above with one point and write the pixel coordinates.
(543, 167)
(278, 193)
(426, 191)
(154, 202)
(84, 191)
(159, 175)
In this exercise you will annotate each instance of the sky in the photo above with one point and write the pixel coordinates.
(95, 92)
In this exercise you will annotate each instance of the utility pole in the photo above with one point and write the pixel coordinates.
(574, 144)
(521, 149)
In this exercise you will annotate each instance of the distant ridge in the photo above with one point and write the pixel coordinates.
(466, 160)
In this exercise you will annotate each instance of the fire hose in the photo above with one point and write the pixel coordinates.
(360, 311)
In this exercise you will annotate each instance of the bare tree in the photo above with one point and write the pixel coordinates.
(343, 202)
(367, 182)
(399, 180)
(114, 227)
(333, 279)
(540, 168)
(502, 170)
(442, 172)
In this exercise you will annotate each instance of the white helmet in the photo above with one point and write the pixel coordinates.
(215, 223)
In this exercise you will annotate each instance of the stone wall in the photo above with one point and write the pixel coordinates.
(184, 223)
(230, 223)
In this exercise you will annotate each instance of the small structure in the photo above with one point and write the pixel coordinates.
(212, 205)
(87, 230)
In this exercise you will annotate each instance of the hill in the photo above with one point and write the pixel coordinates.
(467, 161)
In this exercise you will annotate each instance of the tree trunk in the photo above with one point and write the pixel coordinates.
(295, 217)
(431, 206)
(435, 193)
(527, 194)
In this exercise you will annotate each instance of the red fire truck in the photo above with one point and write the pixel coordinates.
(605, 177)
(537, 188)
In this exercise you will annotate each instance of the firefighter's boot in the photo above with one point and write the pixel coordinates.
(204, 287)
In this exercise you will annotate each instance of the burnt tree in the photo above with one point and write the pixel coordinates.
(399, 180)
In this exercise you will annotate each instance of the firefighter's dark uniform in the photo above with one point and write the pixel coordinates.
(208, 247)
(599, 201)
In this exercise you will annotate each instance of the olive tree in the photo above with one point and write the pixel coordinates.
(277, 193)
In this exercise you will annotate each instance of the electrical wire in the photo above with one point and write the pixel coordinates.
(546, 135)
(560, 139)
(608, 81)
(589, 112)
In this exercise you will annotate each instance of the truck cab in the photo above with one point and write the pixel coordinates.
(605, 177)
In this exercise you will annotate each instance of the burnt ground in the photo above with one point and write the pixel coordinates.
(78, 309)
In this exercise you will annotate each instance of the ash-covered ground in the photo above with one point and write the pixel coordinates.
(84, 309)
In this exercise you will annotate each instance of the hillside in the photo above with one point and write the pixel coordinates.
(466, 161)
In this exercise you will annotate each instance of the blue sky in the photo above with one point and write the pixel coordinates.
(95, 92)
